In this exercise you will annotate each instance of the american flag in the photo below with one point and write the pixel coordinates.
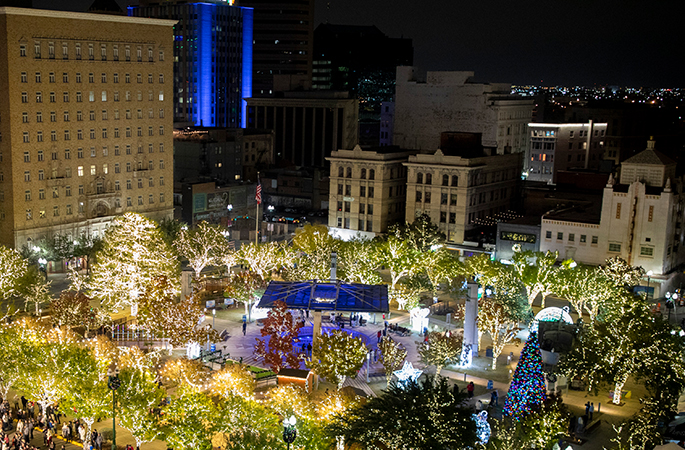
(258, 195)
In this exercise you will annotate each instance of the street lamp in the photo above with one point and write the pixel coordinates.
(213, 316)
(113, 384)
(289, 431)
(649, 277)
(229, 207)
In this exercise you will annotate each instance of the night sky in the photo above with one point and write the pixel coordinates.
(554, 42)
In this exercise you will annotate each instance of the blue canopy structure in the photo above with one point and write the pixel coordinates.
(316, 295)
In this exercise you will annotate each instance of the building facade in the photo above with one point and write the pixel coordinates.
(283, 42)
(640, 219)
(459, 192)
(367, 190)
(562, 147)
(224, 155)
(308, 126)
(212, 53)
(426, 106)
(85, 122)
(387, 123)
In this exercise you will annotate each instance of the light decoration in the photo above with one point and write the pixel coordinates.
(483, 430)
(407, 374)
(527, 389)
(201, 246)
(392, 355)
(419, 318)
(134, 253)
(234, 379)
(281, 330)
(407, 298)
(440, 349)
(551, 314)
(138, 396)
(13, 268)
(499, 323)
(337, 355)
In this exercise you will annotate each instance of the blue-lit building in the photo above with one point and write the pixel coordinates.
(212, 59)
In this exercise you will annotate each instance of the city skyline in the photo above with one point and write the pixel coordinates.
(602, 43)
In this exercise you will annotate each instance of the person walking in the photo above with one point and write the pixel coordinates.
(470, 388)
(379, 334)
(494, 398)
(591, 411)
(244, 328)
(98, 441)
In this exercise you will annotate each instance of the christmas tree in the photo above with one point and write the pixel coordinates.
(527, 389)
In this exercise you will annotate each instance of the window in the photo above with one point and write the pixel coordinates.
(583, 238)
(151, 182)
(161, 55)
(149, 78)
(150, 131)
(66, 116)
(161, 147)
(24, 77)
(103, 53)
(55, 192)
(369, 209)
(25, 136)
(127, 77)
(80, 189)
(67, 154)
(429, 178)
(453, 199)
(24, 97)
(115, 53)
(128, 201)
(80, 153)
(79, 97)
(140, 200)
(41, 194)
(53, 97)
(104, 133)
(78, 77)
(419, 178)
(53, 136)
(67, 135)
(348, 190)
(91, 52)
(650, 216)
(139, 78)
(39, 136)
(161, 130)
(362, 208)
(39, 117)
(53, 116)
(161, 181)
(453, 217)
(92, 134)
(427, 198)
(69, 210)
(419, 196)
(27, 175)
(443, 198)
(27, 157)
(571, 237)
(22, 50)
(618, 210)
(140, 132)
(27, 196)
(93, 170)
(65, 97)
(79, 134)
(39, 97)
(371, 192)
(647, 251)
(36, 50)
(616, 248)
(91, 96)
(161, 113)
(25, 117)
(595, 240)
(560, 236)
(128, 184)
(29, 216)
(104, 96)
(548, 235)
(79, 171)
(67, 191)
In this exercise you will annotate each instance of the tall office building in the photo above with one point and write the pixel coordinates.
(85, 129)
(283, 42)
(212, 59)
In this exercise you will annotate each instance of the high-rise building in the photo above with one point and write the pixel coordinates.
(85, 123)
(426, 105)
(283, 42)
(308, 126)
(212, 52)
(555, 147)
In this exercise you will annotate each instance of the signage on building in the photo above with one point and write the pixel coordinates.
(217, 200)
(348, 199)
(517, 237)
(199, 202)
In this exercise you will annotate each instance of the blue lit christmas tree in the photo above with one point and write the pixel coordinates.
(527, 389)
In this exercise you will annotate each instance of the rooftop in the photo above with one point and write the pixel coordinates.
(650, 157)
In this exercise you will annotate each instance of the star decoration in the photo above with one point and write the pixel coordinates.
(407, 373)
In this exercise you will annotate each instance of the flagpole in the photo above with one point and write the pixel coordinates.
(256, 238)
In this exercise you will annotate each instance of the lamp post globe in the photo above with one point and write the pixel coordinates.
(289, 431)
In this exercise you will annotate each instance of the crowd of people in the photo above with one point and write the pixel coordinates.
(19, 436)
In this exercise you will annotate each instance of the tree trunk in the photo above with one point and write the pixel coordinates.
(341, 382)
(494, 358)
(618, 388)
(89, 424)
(438, 368)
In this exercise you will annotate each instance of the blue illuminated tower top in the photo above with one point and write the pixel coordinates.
(212, 59)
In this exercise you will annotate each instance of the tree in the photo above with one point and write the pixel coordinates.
(281, 330)
(537, 272)
(500, 317)
(358, 261)
(289, 400)
(621, 273)
(201, 245)
(392, 357)
(440, 266)
(528, 389)
(440, 349)
(192, 419)
(400, 257)
(162, 315)
(87, 392)
(33, 288)
(246, 287)
(337, 355)
(14, 349)
(170, 229)
(234, 380)
(185, 372)
(539, 429)
(226, 257)
(138, 397)
(134, 253)
(14, 267)
(428, 415)
(262, 259)
(73, 309)
(422, 234)
(313, 245)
